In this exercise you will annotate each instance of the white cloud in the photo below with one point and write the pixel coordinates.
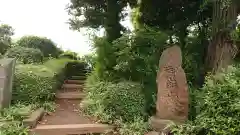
(43, 18)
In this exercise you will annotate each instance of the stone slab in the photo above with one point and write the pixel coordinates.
(33, 119)
(72, 86)
(74, 82)
(7, 68)
(78, 77)
(153, 133)
(73, 129)
(70, 95)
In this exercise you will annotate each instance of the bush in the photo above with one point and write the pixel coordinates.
(219, 108)
(69, 55)
(115, 103)
(76, 68)
(13, 128)
(25, 55)
(90, 59)
(38, 83)
(47, 47)
(14, 116)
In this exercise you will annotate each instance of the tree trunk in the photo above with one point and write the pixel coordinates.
(221, 50)
(112, 20)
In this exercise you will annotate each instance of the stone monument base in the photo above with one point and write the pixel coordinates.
(160, 125)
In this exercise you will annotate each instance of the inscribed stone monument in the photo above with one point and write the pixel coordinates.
(172, 95)
(7, 68)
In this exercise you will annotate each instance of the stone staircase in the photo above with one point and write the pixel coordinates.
(68, 119)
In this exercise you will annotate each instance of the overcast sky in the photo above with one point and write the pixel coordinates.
(43, 18)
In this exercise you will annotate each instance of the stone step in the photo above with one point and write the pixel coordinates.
(70, 95)
(78, 77)
(71, 129)
(72, 86)
(74, 82)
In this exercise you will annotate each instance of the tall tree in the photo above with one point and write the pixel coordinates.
(222, 48)
(99, 14)
(6, 32)
(172, 16)
(47, 46)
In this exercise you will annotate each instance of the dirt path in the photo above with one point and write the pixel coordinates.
(67, 112)
(68, 118)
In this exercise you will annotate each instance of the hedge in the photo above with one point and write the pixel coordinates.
(38, 83)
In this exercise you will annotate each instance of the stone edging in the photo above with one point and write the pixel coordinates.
(33, 119)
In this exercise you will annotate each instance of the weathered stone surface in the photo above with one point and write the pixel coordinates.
(7, 68)
(172, 97)
(160, 124)
(33, 119)
(153, 133)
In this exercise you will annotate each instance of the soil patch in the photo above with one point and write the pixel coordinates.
(67, 112)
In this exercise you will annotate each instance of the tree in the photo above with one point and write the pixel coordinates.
(99, 14)
(172, 17)
(47, 46)
(25, 55)
(222, 48)
(6, 32)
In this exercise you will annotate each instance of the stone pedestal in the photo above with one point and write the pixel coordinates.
(160, 125)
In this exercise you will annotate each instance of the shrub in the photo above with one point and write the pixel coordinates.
(116, 103)
(106, 59)
(76, 67)
(47, 47)
(90, 59)
(13, 128)
(37, 83)
(14, 116)
(138, 127)
(25, 55)
(219, 107)
(69, 55)
(117, 100)
(16, 112)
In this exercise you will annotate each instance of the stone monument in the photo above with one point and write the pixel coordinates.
(172, 95)
(7, 68)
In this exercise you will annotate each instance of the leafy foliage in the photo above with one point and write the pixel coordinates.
(25, 55)
(106, 59)
(219, 108)
(34, 87)
(69, 55)
(16, 112)
(47, 46)
(13, 128)
(90, 59)
(116, 103)
(38, 83)
(75, 68)
(117, 100)
(99, 14)
(6, 32)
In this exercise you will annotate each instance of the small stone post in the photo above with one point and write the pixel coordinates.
(7, 68)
